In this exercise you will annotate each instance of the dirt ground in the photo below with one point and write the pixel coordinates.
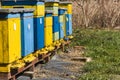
(61, 67)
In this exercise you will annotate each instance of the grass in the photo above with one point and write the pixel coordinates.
(104, 48)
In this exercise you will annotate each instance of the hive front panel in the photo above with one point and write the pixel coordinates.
(10, 38)
(38, 32)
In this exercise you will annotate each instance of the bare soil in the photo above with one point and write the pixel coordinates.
(61, 66)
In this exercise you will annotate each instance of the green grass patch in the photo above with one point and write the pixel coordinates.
(104, 48)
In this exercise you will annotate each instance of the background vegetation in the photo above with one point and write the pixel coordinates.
(103, 46)
(96, 13)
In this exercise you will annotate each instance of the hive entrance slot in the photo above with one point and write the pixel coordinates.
(18, 7)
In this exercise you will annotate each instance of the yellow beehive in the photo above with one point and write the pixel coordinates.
(39, 9)
(67, 5)
(10, 43)
(48, 29)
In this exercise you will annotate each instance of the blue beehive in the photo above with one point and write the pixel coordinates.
(61, 22)
(27, 33)
(55, 28)
(68, 24)
(38, 32)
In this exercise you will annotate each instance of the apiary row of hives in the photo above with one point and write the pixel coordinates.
(28, 27)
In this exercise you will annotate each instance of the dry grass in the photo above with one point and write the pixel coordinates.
(96, 13)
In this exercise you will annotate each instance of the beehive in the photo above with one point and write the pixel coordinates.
(10, 40)
(38, 6)
(54, 5)
(48, 28)
(68, 24)
(27, 32)
(55, 28)
(38, 32)
(62, 22)
(67, 5)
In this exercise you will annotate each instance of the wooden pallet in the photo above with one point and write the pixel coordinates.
(13, 74)
(41, 58)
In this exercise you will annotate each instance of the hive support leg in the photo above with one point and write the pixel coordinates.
(14, 78)
(68, 45)
(55, 52)
(52, 53)
(30, 72)
(47, 59)
(32, 69)
(63, 47)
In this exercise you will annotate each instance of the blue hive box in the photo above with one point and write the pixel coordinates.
(68, 24)
(61, 23)
(55, 28)
(27, 33)
(38, 32)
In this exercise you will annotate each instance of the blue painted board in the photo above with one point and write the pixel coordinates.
(38, 32)
(27, 34)
(61, 23)
(55, 24)
(61, 30)
(68, 24)
(55, 28)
